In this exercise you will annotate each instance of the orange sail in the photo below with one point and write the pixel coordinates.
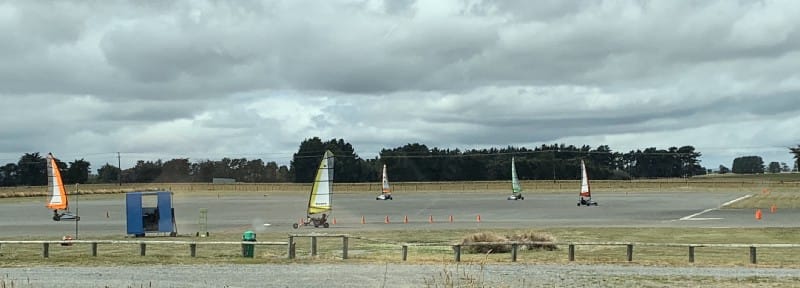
(58, 195)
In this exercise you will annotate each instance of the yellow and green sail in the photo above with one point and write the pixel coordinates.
(320, 199)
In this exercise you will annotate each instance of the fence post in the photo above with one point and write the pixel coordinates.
(45, 250)
(571, 252)
(630, 252)
(752, 254)
(193, 249)
(457, 252)
(290, 247)
(94, 249)
(691, 254)
(514, 252)
(142, 249)
(344, 247)
(313, 245)
(405, 252)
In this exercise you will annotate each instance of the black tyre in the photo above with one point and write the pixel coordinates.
(295, 225)
(326, 225)
(579, 204)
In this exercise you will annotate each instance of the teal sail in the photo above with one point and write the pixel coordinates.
(516, 189)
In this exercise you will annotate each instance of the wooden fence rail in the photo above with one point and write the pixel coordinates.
(291, 246)
(142, 244)
(571, 247)
(314, 236)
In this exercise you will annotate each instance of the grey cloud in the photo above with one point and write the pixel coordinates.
(263, 75)
(263, 47)
(399, 6)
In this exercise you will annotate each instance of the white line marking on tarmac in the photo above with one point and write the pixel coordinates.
(691, 217)
(697, 214)
(735, 200)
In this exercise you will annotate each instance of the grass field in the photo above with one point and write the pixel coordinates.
(786, 182)
(767, 199)
(777, 177)
(385, 246)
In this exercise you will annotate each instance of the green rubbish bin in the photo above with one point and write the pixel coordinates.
(248, 250)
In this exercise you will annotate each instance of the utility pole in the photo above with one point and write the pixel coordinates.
(119, 165)
(77, 215)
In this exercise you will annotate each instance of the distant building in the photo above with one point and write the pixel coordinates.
(223, 181)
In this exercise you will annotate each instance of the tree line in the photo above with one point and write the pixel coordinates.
(755, 165)
(410, 162)
(31, 170)
(418, 162)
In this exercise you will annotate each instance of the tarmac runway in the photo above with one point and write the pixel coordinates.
(105, 215)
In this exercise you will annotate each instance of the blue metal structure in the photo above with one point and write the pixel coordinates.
(159, 219)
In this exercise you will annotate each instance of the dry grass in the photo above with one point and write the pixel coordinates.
(766, 199)
(470, 247)
(536, 237)
(486, 237)
(459, 278)
(22, 192)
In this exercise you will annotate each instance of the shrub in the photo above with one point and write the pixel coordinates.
(536, 237)
(505, 248)
(487, 248)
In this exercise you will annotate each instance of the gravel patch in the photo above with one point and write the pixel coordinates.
(397, 275)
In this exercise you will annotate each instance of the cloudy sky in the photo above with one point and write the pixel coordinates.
(252, 79)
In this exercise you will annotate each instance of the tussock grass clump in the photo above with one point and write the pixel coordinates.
(485, 248)
(536, 237)
(505, 248)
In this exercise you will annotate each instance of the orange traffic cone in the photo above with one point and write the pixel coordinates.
(334, 221)
(386, 219)
(451, 219)
(405, 219)
(363, 221)
(773, 208)
(430, 218)
(758, 214)
(300, 221)
(478, 218)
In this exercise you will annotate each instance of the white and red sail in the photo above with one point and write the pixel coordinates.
(385, 189)
(585, 190)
